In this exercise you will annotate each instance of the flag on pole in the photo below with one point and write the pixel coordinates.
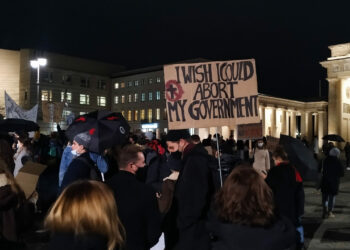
(15, 111)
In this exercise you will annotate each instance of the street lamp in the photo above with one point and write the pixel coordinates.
(36, 65)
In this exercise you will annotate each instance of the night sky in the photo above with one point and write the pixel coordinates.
(288, 39)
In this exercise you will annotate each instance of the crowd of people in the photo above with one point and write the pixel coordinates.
(133, 193)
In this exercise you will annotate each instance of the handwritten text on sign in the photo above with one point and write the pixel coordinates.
(211, 94)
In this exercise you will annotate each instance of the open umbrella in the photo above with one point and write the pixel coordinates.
(14, 124)
(301, 157)
(105, 127)
(333, 137)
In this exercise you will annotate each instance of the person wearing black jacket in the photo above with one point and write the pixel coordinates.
(81, 166)
(137, 202)
(193, 191)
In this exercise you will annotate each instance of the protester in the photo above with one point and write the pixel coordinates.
(244, 217)
(6, 154)
(22, 153)
(137, 202)
(192, 192)
(261, 158)
(82, 166)
(288, 191)
(16, 213)
(347, 155)
(85, 217)
(332, 169)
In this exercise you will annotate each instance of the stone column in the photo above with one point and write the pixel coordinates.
(262, 117)
(303, 125)
(334, 108)
(284, 122)
(322, 128)
(293, 121)
(309, 128)
(273, 122)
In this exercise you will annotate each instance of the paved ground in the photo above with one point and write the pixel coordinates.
(331, 233)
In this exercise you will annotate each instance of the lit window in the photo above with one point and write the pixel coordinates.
(136, 97)
(129, 115)
(84, 99)
(46, 95)
(122, 85)
(101, 84)
(136, 115)
(143, 97)
(101, 101)
(136, 83)
(158, 114)
(84, 82)
(66, 113)
(116, 99)
(82, 113)
(130, 84)
(123, 98)
(149, 115)
(150, 96)
(66, 97)
(123, 113)
(130, 98)
(150, 80)
(158, 79)
(116, 85)
(158, 95)
(142, 115)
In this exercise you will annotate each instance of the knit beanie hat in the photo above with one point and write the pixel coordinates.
(83, 139)
(334, 152)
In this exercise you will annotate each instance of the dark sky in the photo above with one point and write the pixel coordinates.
(287, 38)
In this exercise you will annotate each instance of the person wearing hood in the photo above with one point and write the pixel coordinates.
(192, 191)
(243, 215)
(331, 169)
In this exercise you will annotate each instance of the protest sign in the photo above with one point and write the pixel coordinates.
(52, 111)
(15, 111)
(211, 94)
(249, 131)
(28, 176)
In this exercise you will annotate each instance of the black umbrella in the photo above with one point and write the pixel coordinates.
(106, 129)
(14, 124)
(333, 137)
(301, 157)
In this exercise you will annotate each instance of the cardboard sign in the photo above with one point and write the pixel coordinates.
(52, 111)
(211, 94)
(249, 131)
(28, 176)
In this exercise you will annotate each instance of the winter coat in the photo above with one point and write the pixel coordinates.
(332, 170)
(193, 192)
(261, 160)
(15, 213)
(79, 169)
(137, 210)
(288, 191)
(68, 241)
(227, 236)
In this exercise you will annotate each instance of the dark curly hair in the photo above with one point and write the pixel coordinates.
(245, 199)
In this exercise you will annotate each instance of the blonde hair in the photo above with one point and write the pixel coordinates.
(87, 207)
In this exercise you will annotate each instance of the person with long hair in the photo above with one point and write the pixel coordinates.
(16, 212)
(85, 216)
(244, 215)
(23, 152)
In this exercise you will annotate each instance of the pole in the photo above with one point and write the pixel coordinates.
(218, 151)
(37, 85)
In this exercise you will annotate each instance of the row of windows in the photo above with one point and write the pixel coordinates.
(136, 83)
(84, 99)
(67, 79)
(144, 114)
(135, 97)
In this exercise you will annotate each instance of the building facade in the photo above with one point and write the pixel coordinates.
(84, 85)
